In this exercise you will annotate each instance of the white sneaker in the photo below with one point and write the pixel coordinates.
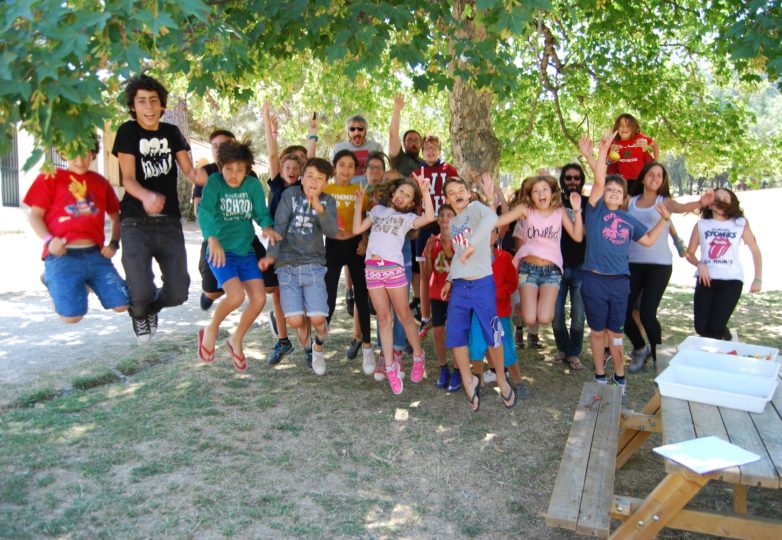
(369, 360)
(318, 362)
(489, 376)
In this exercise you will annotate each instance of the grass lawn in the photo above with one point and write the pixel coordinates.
(159, 445)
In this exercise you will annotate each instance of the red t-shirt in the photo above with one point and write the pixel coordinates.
(632, 158)
(441, 265)
(506, 281)
(437, 175)
(75, 205)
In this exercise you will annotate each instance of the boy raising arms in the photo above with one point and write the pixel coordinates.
(148, 151)
(68, 211)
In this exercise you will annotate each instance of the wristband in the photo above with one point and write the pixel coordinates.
(577, 211)
(314, 138)
(48, 239)
(114, 244)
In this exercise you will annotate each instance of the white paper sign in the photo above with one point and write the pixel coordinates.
(706, 454)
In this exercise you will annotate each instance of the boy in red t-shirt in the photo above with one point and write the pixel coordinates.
(437, 262)
(68, 211)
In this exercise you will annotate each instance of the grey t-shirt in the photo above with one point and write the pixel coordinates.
(302, 229)
(362, 153)
(472, 228)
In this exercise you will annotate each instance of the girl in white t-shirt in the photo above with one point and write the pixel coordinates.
(720, 275)
(385, 267)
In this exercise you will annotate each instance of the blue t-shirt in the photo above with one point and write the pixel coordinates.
(608, 237)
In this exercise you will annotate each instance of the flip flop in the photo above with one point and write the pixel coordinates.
(476, 396)
(240, 362)
(204, 354)
(575, 363)
(513, 394)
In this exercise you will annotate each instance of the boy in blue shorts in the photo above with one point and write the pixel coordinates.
(231, 201)
(303, 216)
(606, 285)
(68, 211)
(470, 283)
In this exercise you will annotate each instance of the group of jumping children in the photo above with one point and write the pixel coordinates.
(391, 223)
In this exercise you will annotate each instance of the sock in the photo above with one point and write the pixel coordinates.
(619, 379)
(319, 341)
(600, 377)
(285, 341)
(424, 319)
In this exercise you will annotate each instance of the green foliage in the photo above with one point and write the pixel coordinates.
(555, 67)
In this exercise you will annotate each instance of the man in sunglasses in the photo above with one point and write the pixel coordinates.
(358, 144)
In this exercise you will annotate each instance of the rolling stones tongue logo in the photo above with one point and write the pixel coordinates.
(718, 247)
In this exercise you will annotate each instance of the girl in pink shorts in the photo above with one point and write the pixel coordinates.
(385, 267)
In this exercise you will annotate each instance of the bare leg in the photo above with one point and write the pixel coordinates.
(257, 296)
(234, 296)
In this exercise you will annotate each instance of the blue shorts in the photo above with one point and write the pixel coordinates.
(605, 301)
(303, 290)
(468, 297)
(244, 267)
(533, 274)
(478, 345)
(67, 278)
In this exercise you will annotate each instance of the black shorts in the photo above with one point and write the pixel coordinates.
(439, 312)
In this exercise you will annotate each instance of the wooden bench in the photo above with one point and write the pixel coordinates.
(583, 492)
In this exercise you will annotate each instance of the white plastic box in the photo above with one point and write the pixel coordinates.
(729, 347)
(726, 363)
(724, 389)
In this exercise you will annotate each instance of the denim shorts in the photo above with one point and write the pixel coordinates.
(303, 290)
(244, 267)
(68, 276)
(533, 274)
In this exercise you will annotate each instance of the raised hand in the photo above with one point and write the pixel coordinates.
(662, 210)
(360, 192)
(606, 140)
(487, 184)
(575, 200)
(422, 181)
(586, 146)
(707, 199)
(399, 101)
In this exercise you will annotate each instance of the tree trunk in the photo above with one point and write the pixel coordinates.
(176, 113)
(474, 146)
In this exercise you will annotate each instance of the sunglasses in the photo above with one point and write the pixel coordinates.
(355, 128)
(572, 177)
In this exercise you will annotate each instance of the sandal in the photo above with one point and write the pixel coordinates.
(560, 358)
(511, 395)
(476, 395)
(204, 354)
(240, 362)
(575, 363)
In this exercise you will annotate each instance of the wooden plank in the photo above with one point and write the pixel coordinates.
(697, 521)
(708, 421)
(593, 516)
(742, 432)
(660, 507)
(740, 499)
(677, 427)
(631, 439)
(769, 426)
(568, 488)
(640, 422)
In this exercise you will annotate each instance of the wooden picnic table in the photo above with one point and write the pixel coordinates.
(666, 506)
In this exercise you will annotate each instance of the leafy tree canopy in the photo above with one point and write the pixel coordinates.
(555, 67)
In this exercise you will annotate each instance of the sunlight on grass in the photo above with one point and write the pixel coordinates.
(401, 415)
(489, 437)
(76, 432)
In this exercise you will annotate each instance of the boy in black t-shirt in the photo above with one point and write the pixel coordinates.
(148, 151)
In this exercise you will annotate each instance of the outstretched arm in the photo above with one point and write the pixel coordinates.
(600, 168)
(394, 143)
(312, 144)
(676, 207)
(651, 236)
(360, 225)
(428, 217)
(574, 228)
(270, 128)
(518, 212)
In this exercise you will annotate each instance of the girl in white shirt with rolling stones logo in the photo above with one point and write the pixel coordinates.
(720, 274)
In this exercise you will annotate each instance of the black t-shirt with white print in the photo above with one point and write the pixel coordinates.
(156, 167)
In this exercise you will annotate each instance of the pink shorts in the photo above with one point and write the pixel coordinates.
(384, 274)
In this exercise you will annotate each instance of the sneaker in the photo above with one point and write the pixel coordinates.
(206, 302)
(279, 351)
(398, 360)
(533, 340)
(141, 329)
(519, 337)
(445, 377)
(308, 356)
(638, 359)
(394, 381)
(152, 322)
(423, 330)
(623, 386)
(419, 368)
(456, 381)
(350, 302)
(489, 376)
(273, 325)
(522, 391)
(353, 348)
(368, 361)
(380, 368)
(601, 379)
(318, 362)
